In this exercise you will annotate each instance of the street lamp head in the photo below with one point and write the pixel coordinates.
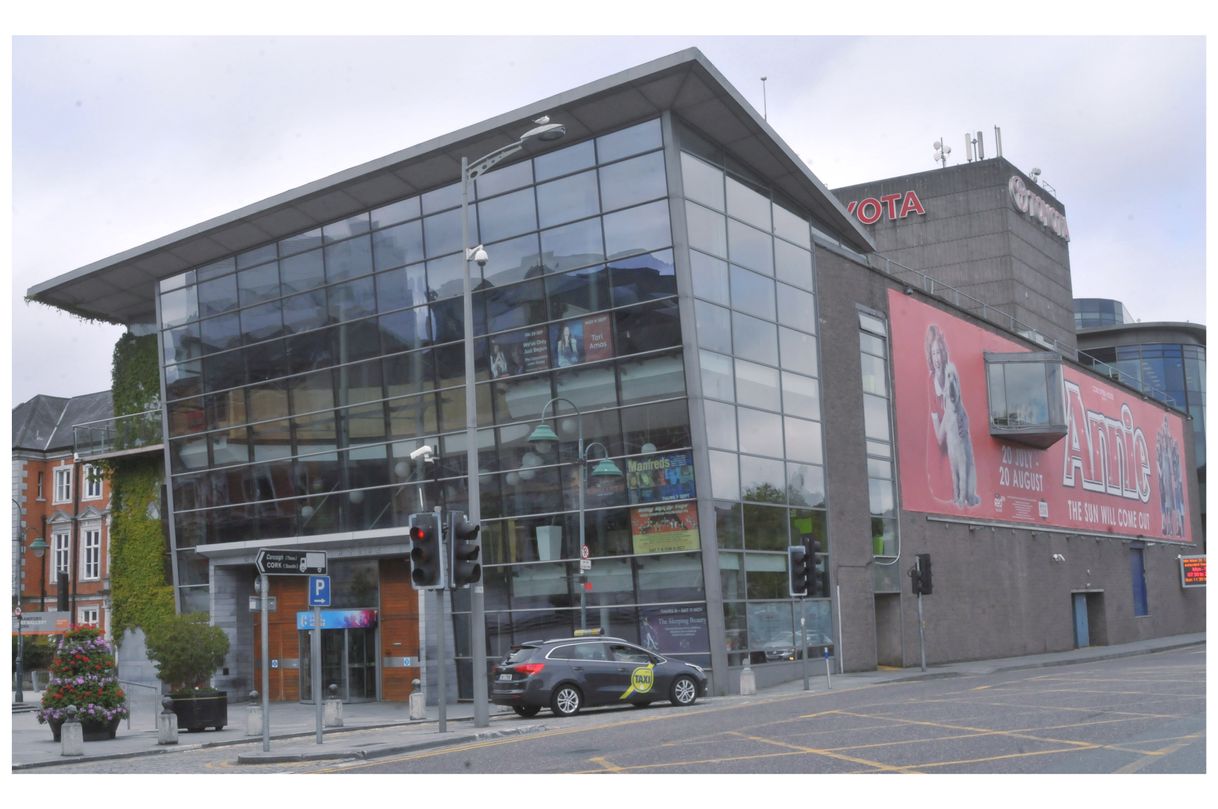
(544, 131)
(543, 437)
(39, 547)
(606, 469)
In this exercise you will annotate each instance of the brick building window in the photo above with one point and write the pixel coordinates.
(89, 616)
(63, 484)
(62, 556)
(90, 561)
(93, 482)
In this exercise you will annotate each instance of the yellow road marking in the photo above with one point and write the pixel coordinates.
(606, 765)
(1150, 756)
(877, 765)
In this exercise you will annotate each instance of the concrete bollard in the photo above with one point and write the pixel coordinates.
(333, 709)
(71, 735)
(748, 682)
(253, 716)
(418, 703)
(167, 723)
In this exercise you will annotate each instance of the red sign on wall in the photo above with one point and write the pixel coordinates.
(1120, 468)
(1192, 571)
(870, 210)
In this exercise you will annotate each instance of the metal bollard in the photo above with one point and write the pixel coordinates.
(748, 681)
(418, 703)
(334, 709)
(167, 723)
(253, 716)
(71, 735)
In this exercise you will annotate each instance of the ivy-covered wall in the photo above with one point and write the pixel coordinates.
(141, 583)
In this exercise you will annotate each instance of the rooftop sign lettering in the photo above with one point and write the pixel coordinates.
(871, 209)
(1036, 208)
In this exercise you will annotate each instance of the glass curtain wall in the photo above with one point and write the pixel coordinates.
(755, 310)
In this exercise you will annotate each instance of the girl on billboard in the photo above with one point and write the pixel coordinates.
(938, 472)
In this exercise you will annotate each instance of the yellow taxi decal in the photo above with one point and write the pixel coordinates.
(641, 680)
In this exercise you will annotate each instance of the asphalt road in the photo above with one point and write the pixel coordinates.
(1139, 714)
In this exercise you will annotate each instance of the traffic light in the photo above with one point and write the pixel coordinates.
(426, 554)
(466, 564)
(801, 565)
(812, 548)
(924, 573)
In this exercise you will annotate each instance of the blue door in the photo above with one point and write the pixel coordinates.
(1082, 636)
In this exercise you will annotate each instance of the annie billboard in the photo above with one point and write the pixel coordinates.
(1120, 468)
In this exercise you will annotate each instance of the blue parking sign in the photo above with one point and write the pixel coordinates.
(319, 591)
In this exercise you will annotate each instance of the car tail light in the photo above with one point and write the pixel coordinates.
(530, 668)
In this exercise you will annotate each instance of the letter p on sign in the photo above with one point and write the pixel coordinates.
(319, 591)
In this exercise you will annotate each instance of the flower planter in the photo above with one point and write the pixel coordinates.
(94, 730)
(202, 712)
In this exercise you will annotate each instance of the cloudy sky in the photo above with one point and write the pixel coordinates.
(120, 140)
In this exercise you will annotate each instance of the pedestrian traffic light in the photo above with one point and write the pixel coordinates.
(800, 565)
(924, 573)
(466, 564)
(426, 554)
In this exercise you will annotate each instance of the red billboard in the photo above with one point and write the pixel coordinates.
(1120, 468)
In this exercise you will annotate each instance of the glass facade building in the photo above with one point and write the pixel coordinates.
(300, 375)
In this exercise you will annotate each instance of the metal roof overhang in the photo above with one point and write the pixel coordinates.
(122, 288)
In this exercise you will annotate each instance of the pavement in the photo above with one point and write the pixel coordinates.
(374, 729)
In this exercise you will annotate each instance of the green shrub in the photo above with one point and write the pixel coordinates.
(36, 654)
(187, 651)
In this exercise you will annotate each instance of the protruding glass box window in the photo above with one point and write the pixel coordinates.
(1025, 397)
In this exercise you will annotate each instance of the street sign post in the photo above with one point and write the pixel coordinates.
(290, 562)
(319, 596)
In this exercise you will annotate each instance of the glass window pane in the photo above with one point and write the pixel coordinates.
(760, 432)
(398, 245)
(750, 247)
(798, 351)
(179, 306)
(720, 425)
(224, 266)
(507, 215)
(658, 426)
(800, 396)
(182, 343)
(714, 327)
(401, 288)
(725, 475)
(791, 227)
(717, 379)
(219, 333)
(301, 272)
(648, 327)
(652, 378)
(352, 300)
(637, 230)
(345, 228)
(446, 277)
(396, 212)
(710, 277)
(803, 440)
(505, 178)
(766, 529)
(875, 375)
(348, 259)
(564, 161)
(512, 260)
(793, 265)
(258, 284)
(305, 312)
(588, 387)
(875, 418)
(633, 181)
(745, 203)
(702, 181)
(578, 292)
(758, 385)
(752, 293)
(575, 245)
(442, 232)
(628, 141)
(261, 322)
(754, 339)
(440, 199)
(707, 229)
(796, 308)
(218, 295)
(806, 485)
(642, 277)
(259, 255)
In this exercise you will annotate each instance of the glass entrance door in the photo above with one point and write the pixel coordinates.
(348, 660)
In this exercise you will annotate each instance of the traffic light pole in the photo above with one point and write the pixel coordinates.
(921, 622)
(803, 641)
(441, 651)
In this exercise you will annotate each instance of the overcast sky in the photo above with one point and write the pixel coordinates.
(118, 141)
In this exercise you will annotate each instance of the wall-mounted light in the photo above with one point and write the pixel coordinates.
(1057, 557)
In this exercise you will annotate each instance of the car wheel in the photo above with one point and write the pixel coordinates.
(684, 691)
(526, 710)
(566, 700)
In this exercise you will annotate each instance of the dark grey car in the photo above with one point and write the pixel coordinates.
(567, 674)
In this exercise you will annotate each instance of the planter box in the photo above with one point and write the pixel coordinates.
(202, 712)
(92, 730)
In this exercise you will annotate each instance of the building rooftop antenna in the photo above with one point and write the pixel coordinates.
(764, 110)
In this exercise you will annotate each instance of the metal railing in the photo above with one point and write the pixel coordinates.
(962, 300)
(136, 431)
(156, 700)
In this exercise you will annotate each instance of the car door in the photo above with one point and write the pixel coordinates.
(634, 673)
(594, 671)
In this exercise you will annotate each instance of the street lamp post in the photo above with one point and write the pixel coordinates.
(471, 170)
(39, 547)
(542, 438)
(19, 696)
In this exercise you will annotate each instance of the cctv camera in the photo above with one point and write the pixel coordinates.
(424, 452)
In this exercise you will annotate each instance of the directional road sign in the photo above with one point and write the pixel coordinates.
(319, 591)
(291, 563)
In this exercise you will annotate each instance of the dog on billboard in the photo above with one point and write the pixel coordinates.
(951, 430)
